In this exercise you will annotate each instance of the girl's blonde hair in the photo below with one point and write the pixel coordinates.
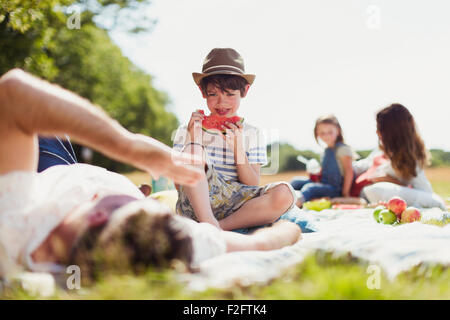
(400, 140)
(329, 119)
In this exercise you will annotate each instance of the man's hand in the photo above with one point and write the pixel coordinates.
(160, 160)
(234, 139)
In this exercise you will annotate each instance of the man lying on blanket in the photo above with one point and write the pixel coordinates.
(74, 214)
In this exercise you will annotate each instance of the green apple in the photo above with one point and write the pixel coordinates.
(376, 212)
(386, 216)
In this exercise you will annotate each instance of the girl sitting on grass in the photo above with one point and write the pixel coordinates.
(337, 172)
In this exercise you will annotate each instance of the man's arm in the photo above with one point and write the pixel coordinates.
(29, 106)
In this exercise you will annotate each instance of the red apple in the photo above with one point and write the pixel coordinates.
(411, 214)
(397, 205)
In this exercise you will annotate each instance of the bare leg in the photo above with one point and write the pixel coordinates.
(199, 194)
(280, 234)
(261, 210)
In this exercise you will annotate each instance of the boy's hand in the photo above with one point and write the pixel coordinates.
(160, 160)
(195, 126)
(234, 139)
(233, 134)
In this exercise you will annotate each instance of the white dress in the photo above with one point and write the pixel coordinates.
(33, 204)
(419, 195)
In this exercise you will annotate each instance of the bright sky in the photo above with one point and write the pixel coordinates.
(347, 57)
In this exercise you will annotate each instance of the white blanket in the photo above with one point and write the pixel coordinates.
(393, 248)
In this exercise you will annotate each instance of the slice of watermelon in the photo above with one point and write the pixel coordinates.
(213, 123)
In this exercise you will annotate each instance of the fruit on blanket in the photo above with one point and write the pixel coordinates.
(317, 205)
(376, 212)
(214, 123)
(397, 205)
(411, 214)
(386, 216)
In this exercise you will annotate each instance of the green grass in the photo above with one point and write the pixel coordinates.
(320, 276)
(439, 223)
(442, 188)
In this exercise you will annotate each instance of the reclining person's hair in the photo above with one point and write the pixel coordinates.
(142, 240)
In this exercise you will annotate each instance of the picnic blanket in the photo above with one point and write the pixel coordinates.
(393, 248)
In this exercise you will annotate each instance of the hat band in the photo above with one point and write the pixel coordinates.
(224, 66)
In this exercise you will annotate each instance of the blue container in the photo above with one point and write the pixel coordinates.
(162, 184)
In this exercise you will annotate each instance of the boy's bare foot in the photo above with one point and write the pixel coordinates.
(282, 233)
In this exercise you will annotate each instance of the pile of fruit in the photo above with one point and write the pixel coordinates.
(396, 211)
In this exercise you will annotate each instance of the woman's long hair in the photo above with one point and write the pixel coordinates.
(400, 140)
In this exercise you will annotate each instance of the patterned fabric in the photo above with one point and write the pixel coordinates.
(226, 196)
(221, 156)
(55, 151)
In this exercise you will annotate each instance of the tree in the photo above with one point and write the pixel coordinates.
(34, 36)
(95, 68)
(288, 157)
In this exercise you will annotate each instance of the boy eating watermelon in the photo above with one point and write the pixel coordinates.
(231, 152)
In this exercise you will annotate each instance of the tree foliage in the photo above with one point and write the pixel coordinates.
(34, 36)
(287, 157)
(440, 158)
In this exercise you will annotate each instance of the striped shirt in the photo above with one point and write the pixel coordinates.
(221, 156)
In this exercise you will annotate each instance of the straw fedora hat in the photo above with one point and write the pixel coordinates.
(223, 61)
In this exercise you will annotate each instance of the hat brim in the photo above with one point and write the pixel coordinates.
(199, 76)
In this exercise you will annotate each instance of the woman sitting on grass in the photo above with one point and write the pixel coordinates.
(400, 162)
